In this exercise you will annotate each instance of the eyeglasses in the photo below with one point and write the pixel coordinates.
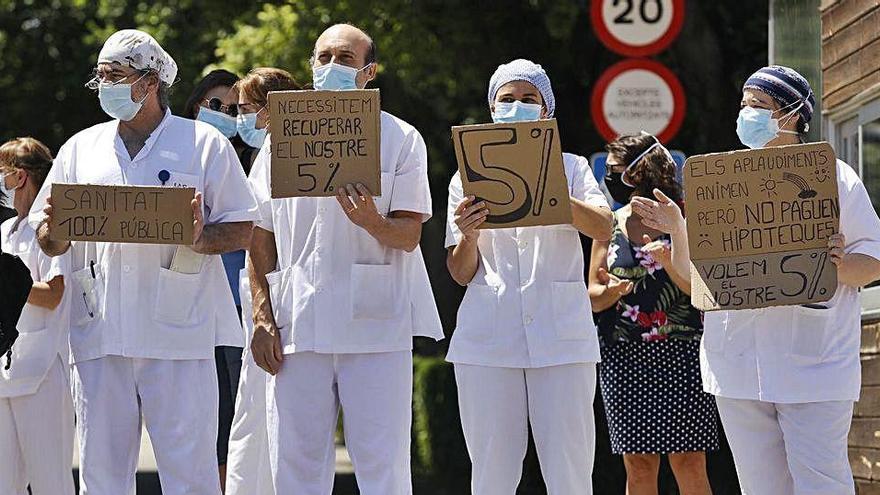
(216, 104)
(99, 79)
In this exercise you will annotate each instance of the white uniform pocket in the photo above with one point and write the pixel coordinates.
(281, 296)
(176, 298)
(476, 315)
(87, 303)
(372, 292)
(809, 332)
(571, 314)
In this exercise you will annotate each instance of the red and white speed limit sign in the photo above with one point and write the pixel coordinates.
(638, 95)
(637, 28)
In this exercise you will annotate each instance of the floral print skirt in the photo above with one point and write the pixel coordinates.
(654, 398)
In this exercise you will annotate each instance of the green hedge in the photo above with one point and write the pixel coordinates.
(441, 465)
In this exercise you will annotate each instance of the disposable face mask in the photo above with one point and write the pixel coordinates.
(116, 100)
(335, 76)
(224, 123)
(515, 111)
(619, 191)
(756, 127)
(247, 129)
(8, 193)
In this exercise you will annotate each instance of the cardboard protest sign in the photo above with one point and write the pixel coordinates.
(517, 170)
(758, 226)
(133, 214)
(322, 140)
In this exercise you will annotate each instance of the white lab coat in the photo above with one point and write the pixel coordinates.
(527, 305)
(145, 310)
(794, 354)
(336, 289)
(36, 410)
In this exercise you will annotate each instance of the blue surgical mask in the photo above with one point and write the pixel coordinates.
(335, 76)
(515, 111)
(756, 127)
(116, 100)
(247, 129)
(224, 123)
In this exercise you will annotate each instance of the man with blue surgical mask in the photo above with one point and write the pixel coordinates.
(339, 290)
(525, 348)
(143, 332)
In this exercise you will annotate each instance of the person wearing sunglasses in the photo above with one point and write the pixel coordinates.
(143, 346)
(36, 409)
(648, 331)
(785, 378)
(214, 100)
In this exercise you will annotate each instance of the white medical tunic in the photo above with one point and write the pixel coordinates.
(527, 305)
(42, 331)
(132, 305)
(792, 354)
(336, 288)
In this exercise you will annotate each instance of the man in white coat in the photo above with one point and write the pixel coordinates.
(785, 378)
(339, 289)
(143, 331)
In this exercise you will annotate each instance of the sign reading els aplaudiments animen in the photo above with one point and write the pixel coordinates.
(758, 226)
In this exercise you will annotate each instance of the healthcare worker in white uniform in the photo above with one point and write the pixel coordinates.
(339, 290)
(525, 348)
(146, 317)
(785, 378)
(36, 410)
(248, 459)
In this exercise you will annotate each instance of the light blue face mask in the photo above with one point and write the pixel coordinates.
(335, 76)
(8, 193)
(515, 111)
(756, 127)
(116, 100)
(226, 124)
(247, 129)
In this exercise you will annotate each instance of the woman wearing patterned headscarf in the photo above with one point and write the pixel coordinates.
(525, 348)
(785, 378)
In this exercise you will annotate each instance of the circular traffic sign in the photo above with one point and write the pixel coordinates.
(637, 28)
(638, 95)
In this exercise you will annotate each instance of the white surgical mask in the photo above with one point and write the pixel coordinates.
(116, 100)
(9, 193)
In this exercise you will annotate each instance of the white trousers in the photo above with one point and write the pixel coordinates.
(498, 404)
(247, 464)
(303, 401)
(178, 402)
(786, 449)
(36, 438)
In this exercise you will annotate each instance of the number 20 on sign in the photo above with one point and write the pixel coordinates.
(517, 169)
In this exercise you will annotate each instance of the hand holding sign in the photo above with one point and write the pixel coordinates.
(836, 245)
(358, 205)
(198, 220)
(469, 216)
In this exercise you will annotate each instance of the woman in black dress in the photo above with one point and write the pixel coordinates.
(649, 333)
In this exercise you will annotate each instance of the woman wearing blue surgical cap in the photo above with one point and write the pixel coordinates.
(525, 348)
(785, 378)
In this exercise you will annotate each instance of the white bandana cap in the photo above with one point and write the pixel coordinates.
(523, 70)
(138, 50)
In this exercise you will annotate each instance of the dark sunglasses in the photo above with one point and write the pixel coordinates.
(216, 104)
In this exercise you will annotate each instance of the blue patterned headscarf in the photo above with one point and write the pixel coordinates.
(523, 70)
(785, 86)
